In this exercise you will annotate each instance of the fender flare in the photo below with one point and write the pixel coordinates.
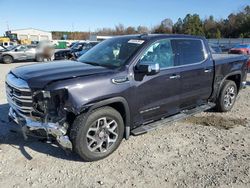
(8, 55)
(107, 102)
(225, 78)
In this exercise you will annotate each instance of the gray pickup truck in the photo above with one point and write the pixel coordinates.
(120, 87)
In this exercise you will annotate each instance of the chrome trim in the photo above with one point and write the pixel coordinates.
(17, 83)
(15, 86)
(54, 129)
(120, 80)
(20, 97)
(150, 109)
(206, 53)
(22, 109)
(244, 84)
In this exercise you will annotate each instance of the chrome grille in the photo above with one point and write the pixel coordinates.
(19, 94)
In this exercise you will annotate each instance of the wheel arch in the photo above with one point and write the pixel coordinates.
(8, 55)
(118, 103)
(233, 76)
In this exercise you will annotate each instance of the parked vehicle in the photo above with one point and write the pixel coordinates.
(214, 48)
(20, 53)
(7, 44)
(225, 47)
(240, 49)
(71, 53)
(120, 87)
(2, 48)
(85, 48)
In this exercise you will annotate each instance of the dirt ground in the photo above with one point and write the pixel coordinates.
(207, 150)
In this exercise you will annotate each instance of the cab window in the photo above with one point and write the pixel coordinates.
(188, 51)
(159, 52)
(21, 48)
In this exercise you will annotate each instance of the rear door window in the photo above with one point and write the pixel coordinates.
(188, 51)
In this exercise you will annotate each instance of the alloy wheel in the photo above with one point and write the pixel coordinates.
(102, 134)
(229, 97)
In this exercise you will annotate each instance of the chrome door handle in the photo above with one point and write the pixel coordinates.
(208, 70)
(174, 76)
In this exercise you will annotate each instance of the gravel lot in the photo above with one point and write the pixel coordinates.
(207, 150)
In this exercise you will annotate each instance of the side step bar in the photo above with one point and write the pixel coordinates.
(183, 114)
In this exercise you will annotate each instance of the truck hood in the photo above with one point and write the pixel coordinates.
(39, 75)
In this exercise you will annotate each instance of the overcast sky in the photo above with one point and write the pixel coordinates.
(85, 15)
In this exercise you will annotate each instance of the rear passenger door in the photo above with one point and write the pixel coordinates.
(196, 71)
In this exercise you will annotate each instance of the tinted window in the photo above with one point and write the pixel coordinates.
(188, 51)
(159, 52)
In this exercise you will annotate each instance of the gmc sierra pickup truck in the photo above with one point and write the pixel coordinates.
(120, 88)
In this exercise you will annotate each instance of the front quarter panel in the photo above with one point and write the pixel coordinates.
(83, 92)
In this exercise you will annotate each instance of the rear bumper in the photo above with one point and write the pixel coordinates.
(30, 124)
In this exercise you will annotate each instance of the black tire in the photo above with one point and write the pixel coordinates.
(7, 59)
(82, 126)
(221, 103)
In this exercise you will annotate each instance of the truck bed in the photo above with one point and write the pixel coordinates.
(226, 58)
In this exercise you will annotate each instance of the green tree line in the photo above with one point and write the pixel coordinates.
(236, 25)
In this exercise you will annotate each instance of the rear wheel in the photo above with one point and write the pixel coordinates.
(39, 58)
(7, 59)
(227, 96)
(98, 135)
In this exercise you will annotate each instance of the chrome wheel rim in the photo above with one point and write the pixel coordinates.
(229, 97)
(102, 135)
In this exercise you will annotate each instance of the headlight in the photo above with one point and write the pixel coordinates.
(40, 99)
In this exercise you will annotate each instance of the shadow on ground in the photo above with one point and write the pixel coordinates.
(10, 134)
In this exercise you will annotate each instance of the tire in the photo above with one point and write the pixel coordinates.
(7, 59)
(93, 143)
(227, 96)
(39, 58)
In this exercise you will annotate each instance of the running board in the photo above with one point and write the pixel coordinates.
(183, 114)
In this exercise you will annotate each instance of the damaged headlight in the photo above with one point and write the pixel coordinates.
(50, 103)
(40, 100)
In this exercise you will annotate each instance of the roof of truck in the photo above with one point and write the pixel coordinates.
(159, 36)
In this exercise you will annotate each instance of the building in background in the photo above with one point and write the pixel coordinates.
(30, 34)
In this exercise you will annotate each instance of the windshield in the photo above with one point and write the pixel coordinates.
(77, 46)
(11, 47)
(112, 52)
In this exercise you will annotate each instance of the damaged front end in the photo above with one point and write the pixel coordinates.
(38, 111)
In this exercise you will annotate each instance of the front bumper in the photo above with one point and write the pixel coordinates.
(29, 124)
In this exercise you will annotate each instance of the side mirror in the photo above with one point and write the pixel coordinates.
(16, 50)
(148, 68)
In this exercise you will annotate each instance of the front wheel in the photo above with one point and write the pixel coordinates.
(227, 96)
(7, 59)
(98, 135)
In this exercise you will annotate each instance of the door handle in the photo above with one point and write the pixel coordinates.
(175, 77)
(208, 70)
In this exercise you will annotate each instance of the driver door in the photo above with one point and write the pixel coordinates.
(158, 95)
(20, 53)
